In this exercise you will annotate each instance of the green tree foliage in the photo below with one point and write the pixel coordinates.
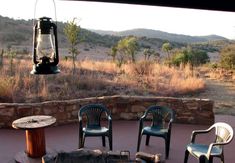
(148, 52)
(71, 31)
(189, 55)
(198, 57)
(127, 49)
(11, 55)
(113, 52)
(227, 57)
(132, 47)
(180, 56)
(166, 47)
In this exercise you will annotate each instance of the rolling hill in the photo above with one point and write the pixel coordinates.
(140, 32)
(18, 33)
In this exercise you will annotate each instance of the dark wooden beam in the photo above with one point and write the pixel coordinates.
(219, 5)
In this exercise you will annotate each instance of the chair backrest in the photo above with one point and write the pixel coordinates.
(223, 132)
(160, 114)
(93, 114)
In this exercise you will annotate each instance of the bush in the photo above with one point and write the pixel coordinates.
(6, 89)
(227, 57)
(194, 57)
(142, 68)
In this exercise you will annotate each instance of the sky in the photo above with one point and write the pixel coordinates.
(119, 17)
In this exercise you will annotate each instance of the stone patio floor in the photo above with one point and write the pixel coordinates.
(65, 138)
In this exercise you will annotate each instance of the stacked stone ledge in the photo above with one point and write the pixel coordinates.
(188, 110)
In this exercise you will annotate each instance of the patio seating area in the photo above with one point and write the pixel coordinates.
(125, 135)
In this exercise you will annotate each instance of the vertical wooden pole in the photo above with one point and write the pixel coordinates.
(35, 142)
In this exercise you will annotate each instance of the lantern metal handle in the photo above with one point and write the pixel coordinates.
(35, 9)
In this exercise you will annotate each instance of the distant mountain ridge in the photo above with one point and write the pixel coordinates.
(150, 33)
(18, 34)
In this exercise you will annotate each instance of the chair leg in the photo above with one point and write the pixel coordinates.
(167, 148)
(186, 156)
(83, 141)
(139, 142)
(222, 158)
(80, 141)
(211, 160)
(147, 139)
(103, 141)
(110, 142)
(169, 140)
(202, 159)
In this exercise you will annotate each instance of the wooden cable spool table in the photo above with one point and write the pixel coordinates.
(35, 136)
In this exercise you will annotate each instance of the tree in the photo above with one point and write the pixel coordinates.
(227, 57)
(166, 47)
(157, 57)
(148, 52)
(132, 47)
(188, 55)
(113, 52)
(72, 31)
(127, 49)
(180, 56)
(1, 58)
(198, 57)
(11, 55)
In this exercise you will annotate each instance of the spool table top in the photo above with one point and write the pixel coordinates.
(33, 122)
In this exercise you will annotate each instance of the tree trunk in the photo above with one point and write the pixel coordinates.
(1, 58)
(74, 64)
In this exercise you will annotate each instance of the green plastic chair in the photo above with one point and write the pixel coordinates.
(162, 118)
(205, 153)
(92, 114)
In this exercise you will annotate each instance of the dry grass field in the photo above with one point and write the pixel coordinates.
(93, 79)
(99, 77)
(220, 87)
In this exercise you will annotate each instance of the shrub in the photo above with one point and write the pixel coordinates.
(142, 68)
(227, 57)
(188, 55)
(6, 89)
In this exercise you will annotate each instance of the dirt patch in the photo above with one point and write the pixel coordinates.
(222, 93)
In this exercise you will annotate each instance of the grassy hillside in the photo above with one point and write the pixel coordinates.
(19, 33)
(163, 35)
(15, 32)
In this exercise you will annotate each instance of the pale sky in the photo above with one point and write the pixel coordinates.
(118, 17)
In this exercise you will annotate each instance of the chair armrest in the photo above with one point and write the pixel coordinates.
(214, 144)
(141, 121)
(170, 124)
(144, 116)
(196, 132)
(79, 118)
(109, 122)
(80, 121)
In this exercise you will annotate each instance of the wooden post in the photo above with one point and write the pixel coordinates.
(35, 142)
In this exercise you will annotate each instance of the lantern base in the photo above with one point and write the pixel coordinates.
(44, 69)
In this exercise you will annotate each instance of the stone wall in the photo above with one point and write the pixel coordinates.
(189, 111)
